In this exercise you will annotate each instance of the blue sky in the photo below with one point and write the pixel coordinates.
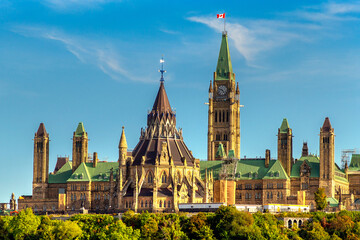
(96, 61)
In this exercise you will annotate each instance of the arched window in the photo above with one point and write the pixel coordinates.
(146, 203)
(278, 195)
(215, 116)
(223, 113)
(217, 137)
(126, 204)
(268, 195)
(227, 116)
(150, 177)
(142, 203)
(271, 195)
(164, 203)
(225, 137)
(219, 116)
(160, 203)
(169, 204)
(290, 224)
(163, 178)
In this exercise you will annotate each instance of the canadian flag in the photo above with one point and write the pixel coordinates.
(220, 15)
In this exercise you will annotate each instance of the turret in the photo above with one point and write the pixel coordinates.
(285, 147)
(41, 162)
(80, 146)
(327, 162)
(305, 150)
(122, 148)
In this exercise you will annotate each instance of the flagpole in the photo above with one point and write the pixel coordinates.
(224, 22)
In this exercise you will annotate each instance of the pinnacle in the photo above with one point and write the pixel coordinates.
(123, 143)
(41, 130)
(80, 130)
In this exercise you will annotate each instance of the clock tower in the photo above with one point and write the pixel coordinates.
(224, 107)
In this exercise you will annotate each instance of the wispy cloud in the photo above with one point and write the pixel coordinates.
(100, 54)
(254, 36)
(257, 36)
(75, 4)
(172, 32)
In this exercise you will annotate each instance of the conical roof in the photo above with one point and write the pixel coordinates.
(162, 103)
(80, 130)
(327, 125)
(41, 130)
(284, 126)
(224, 66)
(123, 143)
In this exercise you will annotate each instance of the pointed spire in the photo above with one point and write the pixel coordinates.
(80, 130)
(284, 126)
(237, 89)
(41, 131)
(327, 125)
(162, 103)
(224, 66)
(123, 143)
(210, 87)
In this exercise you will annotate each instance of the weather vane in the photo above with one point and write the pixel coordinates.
(162, 71)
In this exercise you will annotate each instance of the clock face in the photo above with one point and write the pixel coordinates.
(222, 90)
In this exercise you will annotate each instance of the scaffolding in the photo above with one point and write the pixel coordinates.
(228, 169)
(345, 156)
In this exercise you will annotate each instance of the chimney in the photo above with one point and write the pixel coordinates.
(95, 159)
(267, 158)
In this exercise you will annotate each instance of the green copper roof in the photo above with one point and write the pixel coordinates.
(332, 202)
(62, 175)
(85, 173)
(355, 162)
(247, 169)
(101, 173)
(284, 126)
(312, 161)
(231, 154)
(276, 172)
(80, 130)
(224, 66)
(220, 151)
(214, 166)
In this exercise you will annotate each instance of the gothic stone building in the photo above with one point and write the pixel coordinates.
(157, 175)
(263, 181)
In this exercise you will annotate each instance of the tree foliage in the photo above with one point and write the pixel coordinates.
(320, 199)
(225, 223)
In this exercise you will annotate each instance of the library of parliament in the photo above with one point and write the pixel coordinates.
(161, 172)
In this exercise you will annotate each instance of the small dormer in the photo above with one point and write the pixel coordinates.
(305, 169)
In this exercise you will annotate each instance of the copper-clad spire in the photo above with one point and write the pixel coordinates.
(162, 103)
(41, 131)
(327, 125)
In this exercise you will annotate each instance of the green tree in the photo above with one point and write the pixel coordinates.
(24, 225)
(67, 230)
(229, 223)
(342, 226)
(197, 227)
(313, 231)
(320, 199)
(269, 225)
